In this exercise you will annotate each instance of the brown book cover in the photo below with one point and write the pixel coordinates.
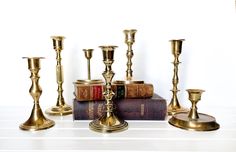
(86, 92)
(154, 108)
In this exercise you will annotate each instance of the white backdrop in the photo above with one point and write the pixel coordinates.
(208, 55)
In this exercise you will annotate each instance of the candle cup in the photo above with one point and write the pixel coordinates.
(36, 121)
(176, 46)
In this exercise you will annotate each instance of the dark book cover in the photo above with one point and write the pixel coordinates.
(154, 108)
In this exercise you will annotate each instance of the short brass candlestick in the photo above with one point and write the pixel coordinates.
(61, 107)
(174, 105)
(36, 121)
(193, 120)
(108, 122)
(129, 40)
(88, 55)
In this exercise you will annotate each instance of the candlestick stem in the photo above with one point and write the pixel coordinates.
(89, 72)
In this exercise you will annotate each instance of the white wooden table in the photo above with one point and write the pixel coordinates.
(68, 135)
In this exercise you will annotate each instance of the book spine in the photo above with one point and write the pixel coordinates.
(119, 91)
(127, 109)
(95, 92)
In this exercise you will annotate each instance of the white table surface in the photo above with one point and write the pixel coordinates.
(68, 135)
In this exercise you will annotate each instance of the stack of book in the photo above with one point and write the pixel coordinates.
(131, 102)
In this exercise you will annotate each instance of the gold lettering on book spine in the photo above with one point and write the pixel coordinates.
(91, 110)
(100, 109)
(142, 110)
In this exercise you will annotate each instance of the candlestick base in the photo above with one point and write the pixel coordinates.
(203, 123)
(37, 121)
(108, 124)
(59, 110)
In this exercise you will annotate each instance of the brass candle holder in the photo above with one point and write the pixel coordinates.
(193, 120)
(36, 121)
(88, 55)
(174, 106)
(129, 40)
(108, 122)
(61, 107)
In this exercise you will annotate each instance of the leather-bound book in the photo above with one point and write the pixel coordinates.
(154, 108)
(86, 92)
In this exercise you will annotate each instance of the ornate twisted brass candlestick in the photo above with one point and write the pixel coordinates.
(61, 107)
(174, 105)
(88, 54)
(129, 40)
(108, 122)
(36, 121)
(193, 120)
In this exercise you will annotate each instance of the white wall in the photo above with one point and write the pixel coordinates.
(208, 58)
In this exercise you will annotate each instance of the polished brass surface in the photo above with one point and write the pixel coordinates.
(95, 81)
(129, 40)
(61, 107)
(88, 55)
(174, 106)
(193, 120)
(194, 97)
(108, 122)
(36, 121)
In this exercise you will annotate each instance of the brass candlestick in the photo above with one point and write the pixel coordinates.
(61, 108)
(108, 122)
(88, 55)
(174, 105)
(193, 120)
(129, 40)
(36, 121)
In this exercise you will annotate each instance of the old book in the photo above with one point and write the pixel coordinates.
(86, 92)
(154, 108)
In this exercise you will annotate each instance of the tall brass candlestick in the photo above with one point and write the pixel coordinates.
(61, 107)
(174, 105)
(129, 40)
(108, 122)
(36, 121)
